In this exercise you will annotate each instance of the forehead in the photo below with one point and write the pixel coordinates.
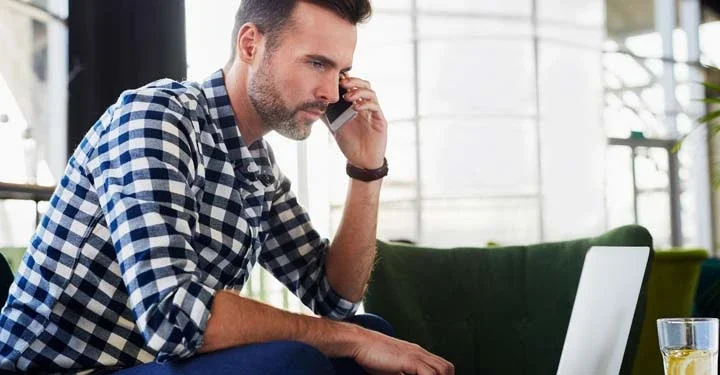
(316, 30)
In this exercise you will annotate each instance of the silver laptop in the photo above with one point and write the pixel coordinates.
(604, 309)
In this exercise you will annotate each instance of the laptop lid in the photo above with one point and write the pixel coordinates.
(605, 306)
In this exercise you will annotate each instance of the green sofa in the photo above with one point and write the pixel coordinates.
(505, 310)
(671, 292)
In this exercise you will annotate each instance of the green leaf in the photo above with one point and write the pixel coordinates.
(677, 146)
(710, 100)
(709, 117)
(711, 86)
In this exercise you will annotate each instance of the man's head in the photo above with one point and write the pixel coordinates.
(295, 52)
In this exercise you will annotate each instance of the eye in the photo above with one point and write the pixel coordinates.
(317, 65)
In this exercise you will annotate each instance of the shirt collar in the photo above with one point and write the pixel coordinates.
(254, 159)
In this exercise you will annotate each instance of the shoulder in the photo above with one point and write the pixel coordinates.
(161, 111)
(164, 94)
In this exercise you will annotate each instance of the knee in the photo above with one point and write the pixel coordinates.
(373, 322)
(305, 359)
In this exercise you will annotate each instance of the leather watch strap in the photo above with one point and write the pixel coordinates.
(367, 175)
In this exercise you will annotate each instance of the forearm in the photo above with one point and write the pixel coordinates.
(352, 252)
(236, 321)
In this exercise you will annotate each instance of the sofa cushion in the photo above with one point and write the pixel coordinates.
(488, 310)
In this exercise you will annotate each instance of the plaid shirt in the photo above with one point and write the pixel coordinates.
(161, 205)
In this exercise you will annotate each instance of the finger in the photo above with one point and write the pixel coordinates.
(418, 368)
(425, 369)
(382, 373)
(366, 106)
(364, 94)
(351, 82)
(440, 365)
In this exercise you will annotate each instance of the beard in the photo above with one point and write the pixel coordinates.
(275, 114)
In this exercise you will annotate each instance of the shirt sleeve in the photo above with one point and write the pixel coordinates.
(143, 170)
(295, 254)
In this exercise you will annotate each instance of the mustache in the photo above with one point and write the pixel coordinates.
(321, 106)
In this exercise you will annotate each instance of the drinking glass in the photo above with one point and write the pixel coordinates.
(689, 346)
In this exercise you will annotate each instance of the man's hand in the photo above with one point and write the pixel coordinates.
(381, 354)
(364, 138)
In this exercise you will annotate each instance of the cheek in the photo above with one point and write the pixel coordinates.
(296, 90)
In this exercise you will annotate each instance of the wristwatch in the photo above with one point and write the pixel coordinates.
(367, 175)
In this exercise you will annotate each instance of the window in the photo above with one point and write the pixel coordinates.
(33, 81)
(495, 116)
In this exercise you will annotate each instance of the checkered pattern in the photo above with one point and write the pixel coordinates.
(161, 205)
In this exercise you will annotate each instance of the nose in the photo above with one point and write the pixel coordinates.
(329, 89)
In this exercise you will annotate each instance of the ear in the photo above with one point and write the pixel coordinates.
(248, 42)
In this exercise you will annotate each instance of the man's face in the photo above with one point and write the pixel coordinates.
(292, 85)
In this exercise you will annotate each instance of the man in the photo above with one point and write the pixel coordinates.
(174, 195)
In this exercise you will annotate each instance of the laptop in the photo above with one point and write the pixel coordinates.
(604, 310)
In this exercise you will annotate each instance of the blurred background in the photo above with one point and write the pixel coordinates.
(511, 122)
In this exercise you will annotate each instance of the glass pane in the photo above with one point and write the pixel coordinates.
(468, 27)
(651, 168)
(573, 142)
(379, 6)
(654, 214)
(462, 74)
(263, 286)
(688, 200)
(208, 35)
(390, 71)
(580, 37)
(396, 221)
(33, 94)
(709, 35)
(587, 13)
(619, 184)
(401, 180)
(621, 121)
(507, 7)
(17, 223)
(474, 156)
(286, 152)
(468, 222)
(689, 222)
(376, 31)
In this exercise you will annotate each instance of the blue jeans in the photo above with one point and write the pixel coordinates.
(272, 358)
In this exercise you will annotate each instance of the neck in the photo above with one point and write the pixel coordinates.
(247, 119)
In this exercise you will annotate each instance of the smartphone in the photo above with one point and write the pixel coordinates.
(338, 114)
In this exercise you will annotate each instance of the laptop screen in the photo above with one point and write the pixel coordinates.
(603, 311)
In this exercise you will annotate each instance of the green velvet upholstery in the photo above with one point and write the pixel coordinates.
(707, 296)
(671, 291)
(502, 310)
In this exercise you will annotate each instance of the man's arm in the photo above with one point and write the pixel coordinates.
(352, 252)
(363, 142)
(239, 321)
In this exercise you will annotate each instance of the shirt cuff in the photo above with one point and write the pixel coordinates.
(194, 304)
(335, 306)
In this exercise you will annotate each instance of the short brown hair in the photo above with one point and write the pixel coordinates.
(273, 16)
